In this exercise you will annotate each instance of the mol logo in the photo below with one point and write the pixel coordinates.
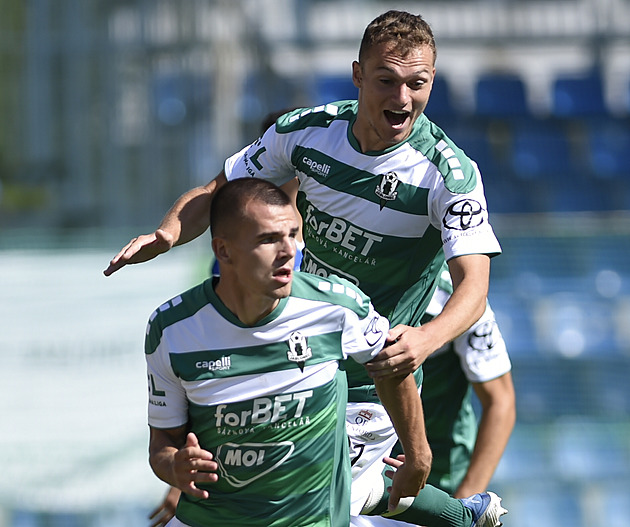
(241, 464)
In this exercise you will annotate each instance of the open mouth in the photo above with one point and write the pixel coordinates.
(283, 274)
(396, 117)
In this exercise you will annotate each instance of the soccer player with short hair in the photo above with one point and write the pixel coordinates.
(247, 402)
(385, 197)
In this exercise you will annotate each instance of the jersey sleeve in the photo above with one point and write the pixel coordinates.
(168, 404)
(462, 218)
(364, 337)
(482, 350)
(269, 157)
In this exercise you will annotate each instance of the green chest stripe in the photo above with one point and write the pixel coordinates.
(376, 188)
(221, 363)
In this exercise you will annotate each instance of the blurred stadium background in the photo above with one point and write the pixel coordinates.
(110, 109)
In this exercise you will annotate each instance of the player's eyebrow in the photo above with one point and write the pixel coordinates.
(267, 234)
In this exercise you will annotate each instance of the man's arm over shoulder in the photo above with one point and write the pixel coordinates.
(187, 219)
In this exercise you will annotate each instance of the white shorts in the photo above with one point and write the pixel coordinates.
(372, 436)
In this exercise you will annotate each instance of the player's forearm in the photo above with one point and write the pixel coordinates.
(470, 276)
(189, 216)
(495, 427)
(462, 310)
(400, 398)
(161, 458)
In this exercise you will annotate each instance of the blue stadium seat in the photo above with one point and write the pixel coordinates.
(501, 96)
(440, 105)
(609, 149)
(329, 88)
(607, 157)
(578, 97)
(542, 157)
(541, 150)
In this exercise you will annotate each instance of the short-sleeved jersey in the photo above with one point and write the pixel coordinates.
(267, 400)
(383, 220)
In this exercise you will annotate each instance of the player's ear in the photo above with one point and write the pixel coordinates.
(356, 74)
(221, 250)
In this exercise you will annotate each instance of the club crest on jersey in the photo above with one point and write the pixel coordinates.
(299, 351)
(386, 189)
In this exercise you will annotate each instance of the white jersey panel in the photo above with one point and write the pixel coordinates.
(244, 387)
(317, 317)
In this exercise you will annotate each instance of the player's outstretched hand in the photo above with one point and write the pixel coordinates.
(141, 249)
(165, 511)
(407, 480)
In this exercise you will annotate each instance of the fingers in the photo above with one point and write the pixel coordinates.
(396, 332)
(398, 366)
(120, 260)
(191, 440)
(195, 465)
(406, 483)
(140, 249)
(397, 462)
(116, 262)
(164, 517)
(155, 512)
(394, 498)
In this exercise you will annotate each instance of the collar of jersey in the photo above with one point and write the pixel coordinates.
(222, 309)
(418, 125)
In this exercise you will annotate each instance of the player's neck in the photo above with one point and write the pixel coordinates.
(247, 307)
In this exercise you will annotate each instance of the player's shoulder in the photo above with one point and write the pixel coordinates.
(330, 290)
(174, 310)
(458, 171)
(315, 116)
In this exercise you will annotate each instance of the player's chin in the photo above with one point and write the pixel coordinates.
(282, 290)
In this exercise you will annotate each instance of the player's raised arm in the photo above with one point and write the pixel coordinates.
(185, 220)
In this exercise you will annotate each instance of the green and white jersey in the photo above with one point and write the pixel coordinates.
(383, 220)
(267, 400)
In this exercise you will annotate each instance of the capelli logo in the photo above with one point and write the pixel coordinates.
(321, 169)
(224, 363)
